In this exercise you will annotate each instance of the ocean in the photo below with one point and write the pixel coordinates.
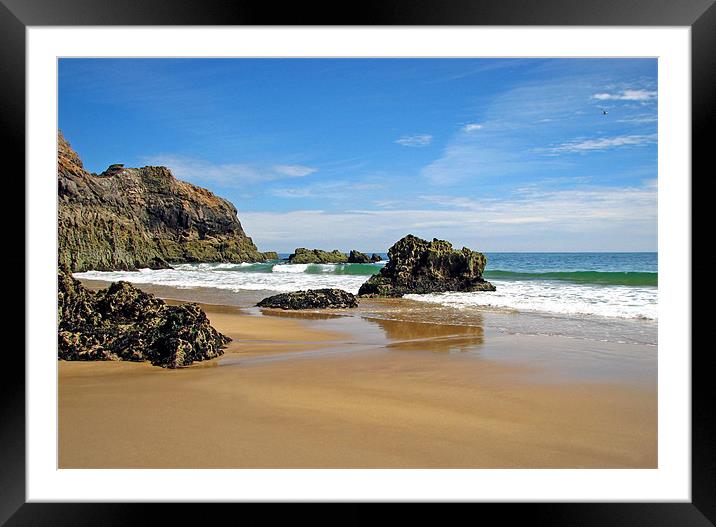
(622, 285)
(611, 295)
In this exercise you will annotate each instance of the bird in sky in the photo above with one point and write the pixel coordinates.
(604, 112)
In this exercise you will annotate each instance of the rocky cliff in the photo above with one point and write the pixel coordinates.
(418, 266)
(129, 218)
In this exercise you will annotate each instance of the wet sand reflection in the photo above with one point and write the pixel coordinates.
(410, 335)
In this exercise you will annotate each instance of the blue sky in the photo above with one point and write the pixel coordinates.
(494, 154)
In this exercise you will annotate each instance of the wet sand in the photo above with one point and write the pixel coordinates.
(318, 391)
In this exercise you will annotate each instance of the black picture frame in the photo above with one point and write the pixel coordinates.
(16, 15)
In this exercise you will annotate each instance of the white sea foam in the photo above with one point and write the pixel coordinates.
(290, 268)
(557, 297)
(281, 278)
(221, 266)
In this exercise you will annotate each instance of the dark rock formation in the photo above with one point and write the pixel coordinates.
(308, 256)
(419, 266)
(128, 218)
(358, 257)
(113, 170)
(375, 258)
(124, 323)
(311, 299)
(270, 255)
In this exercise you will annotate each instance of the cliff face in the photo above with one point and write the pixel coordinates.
(128, 218)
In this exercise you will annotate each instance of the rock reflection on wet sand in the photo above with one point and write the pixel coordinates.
(432, 337)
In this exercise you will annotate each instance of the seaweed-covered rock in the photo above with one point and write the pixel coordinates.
(375, 258)
(270, 255)
(358, 257)
(311, 299)
(185, 335)
(309, 256)
(122, 322)
(128, 218)
(418, 266)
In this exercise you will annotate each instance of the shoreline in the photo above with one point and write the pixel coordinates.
(309, 390)
(506, 320)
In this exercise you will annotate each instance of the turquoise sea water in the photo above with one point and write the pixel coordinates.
(637, 269)
(617, 285)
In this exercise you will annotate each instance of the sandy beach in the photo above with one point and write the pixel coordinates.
(308, 390)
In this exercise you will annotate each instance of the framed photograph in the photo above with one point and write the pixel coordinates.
(423, 253)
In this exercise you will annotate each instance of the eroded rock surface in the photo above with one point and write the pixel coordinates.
(122, 322)
(309, 256)
(358, 257)
(417, 266)
(311, 299)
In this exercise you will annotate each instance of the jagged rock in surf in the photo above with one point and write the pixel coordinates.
(358, 257)
(417, 266)
(309, 256)
(311, 299)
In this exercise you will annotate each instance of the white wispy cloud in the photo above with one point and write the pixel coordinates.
(513, 125)
(530, 128)
(293, 193)
(417, 140)
(203, 172)
(602, 143)
(533, 204)
(335, 190)
(388, 203)
(471, 127)
(465, 160)
(626, 95)
(294, 170)
(639, 119)
(611, 218)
